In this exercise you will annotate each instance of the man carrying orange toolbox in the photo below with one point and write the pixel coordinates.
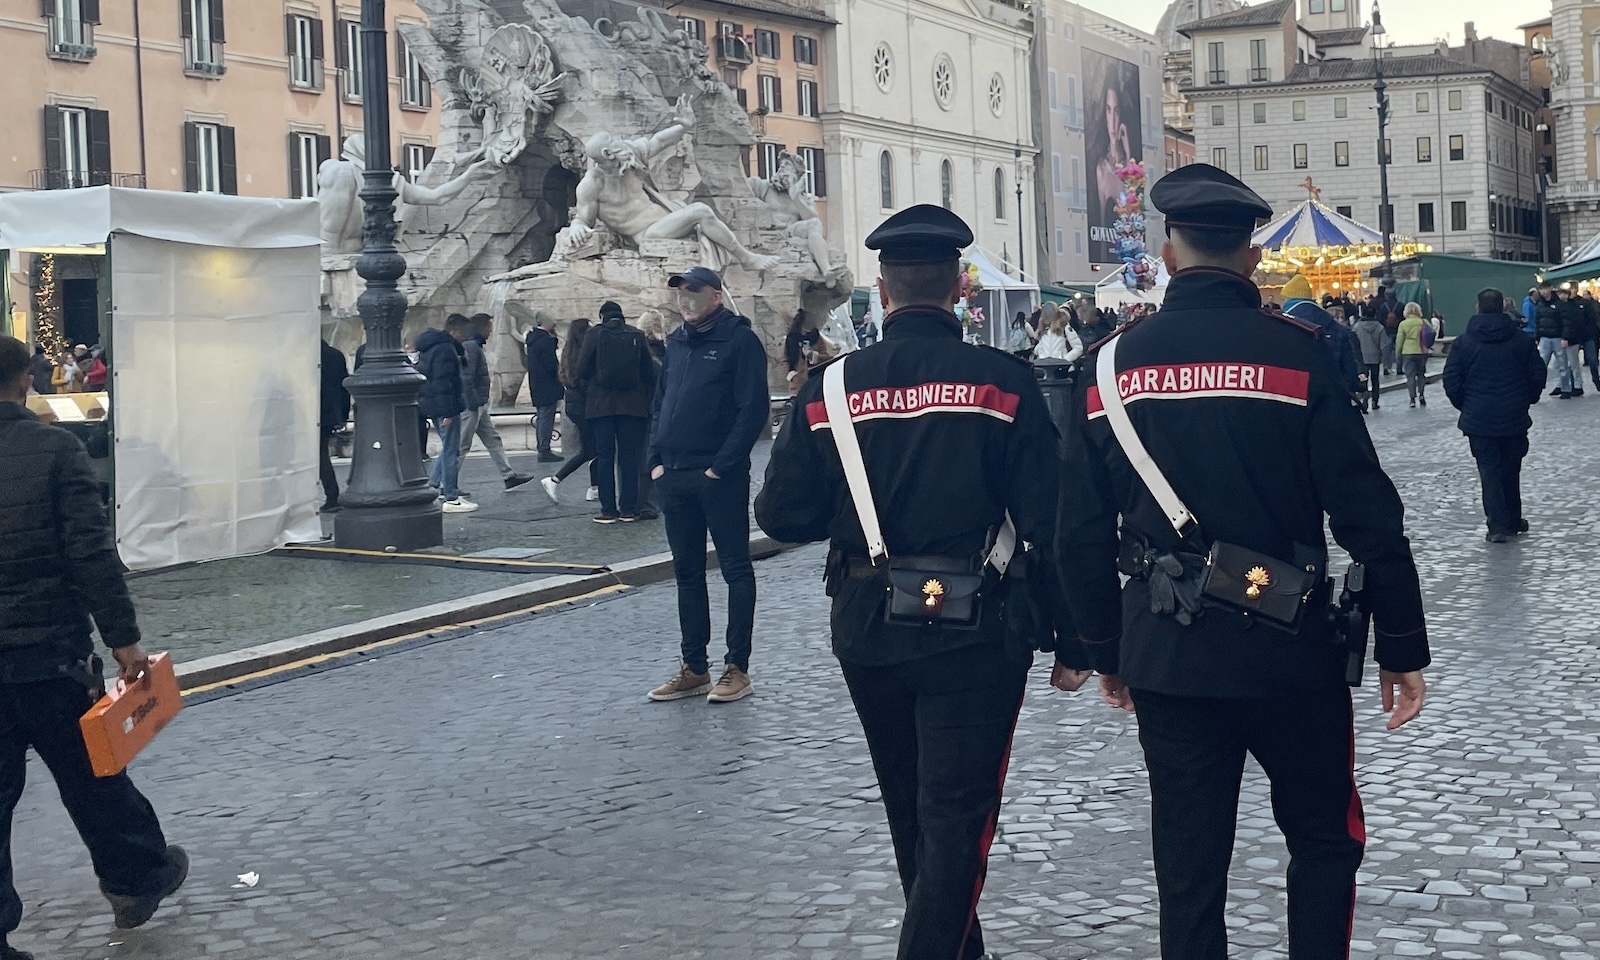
(59, 566)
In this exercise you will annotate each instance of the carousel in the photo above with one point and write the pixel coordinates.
(1328, 248)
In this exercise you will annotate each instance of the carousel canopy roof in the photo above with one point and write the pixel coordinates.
(1312, 224)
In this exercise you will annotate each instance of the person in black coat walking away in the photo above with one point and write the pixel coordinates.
(39, 370)
(476, 420)
(577, 413)
(621, 375)
(335, 414)
(544, 386)
(1493, 374)
(58, 568)
(442, 400)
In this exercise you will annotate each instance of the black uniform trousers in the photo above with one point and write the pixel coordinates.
(1195, 750)
(114, 819)
(1500, 473)
(939, 730)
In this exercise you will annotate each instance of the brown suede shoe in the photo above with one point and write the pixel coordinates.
(686, 684)
(734, 684)
(130, 912)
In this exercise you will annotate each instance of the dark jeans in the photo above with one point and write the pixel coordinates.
(585, 452)
(544, 426)
(692, 505)
(116, 822)
(618, 449)
(1195, 749)
(1371, 370)
(1500, 472)
(1415, 366)
(1590, 361)
(939, 730)
(330, 479)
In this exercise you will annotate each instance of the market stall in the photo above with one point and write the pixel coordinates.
(1326, 247)
(1112, 291)
(996, 299)
(211, 328)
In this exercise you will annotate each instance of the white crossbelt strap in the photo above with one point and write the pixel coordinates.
(1128, 439)
(843, 429)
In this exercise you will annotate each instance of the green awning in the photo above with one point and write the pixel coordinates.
(1063, 292)
(1582, 270)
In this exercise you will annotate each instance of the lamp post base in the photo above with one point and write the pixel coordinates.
(388, 529)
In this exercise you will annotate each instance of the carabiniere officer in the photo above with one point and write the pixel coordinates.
(1243, 412)
(953, 437)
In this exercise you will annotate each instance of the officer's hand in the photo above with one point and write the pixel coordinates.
(657, 472)
(132, 662)
(1067, 679)
(1115, 693)
(1403, 694)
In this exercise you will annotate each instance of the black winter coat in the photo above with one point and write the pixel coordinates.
(1493, 374)
(544, 370)
(605, 402)
(58, 555)
(335, 398)
(441, 361)
(1578, 321)
(1547, 320)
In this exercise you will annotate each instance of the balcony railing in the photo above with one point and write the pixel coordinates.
(734, 50)
(71, 39)
(1216, 78)
(305, 73)
(203, 58)
(1077, 198)
(72, 179)
(1260, 74)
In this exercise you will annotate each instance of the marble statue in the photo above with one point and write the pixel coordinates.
(339, 188)
(785, 192)
(617, 192)
(517, 82)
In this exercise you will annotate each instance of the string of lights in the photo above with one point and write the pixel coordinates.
(47, 307)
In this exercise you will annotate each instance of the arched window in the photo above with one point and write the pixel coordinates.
(886, 180)
(947, 184)
(999, 194)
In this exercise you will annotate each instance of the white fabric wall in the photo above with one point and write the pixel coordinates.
(215, 393)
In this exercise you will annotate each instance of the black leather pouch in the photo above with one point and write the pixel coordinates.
(1244, 581)
(934, 591)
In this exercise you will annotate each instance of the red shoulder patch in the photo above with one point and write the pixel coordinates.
(1310, 328)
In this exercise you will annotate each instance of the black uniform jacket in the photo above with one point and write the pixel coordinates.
(1244, 412)
(953, 437)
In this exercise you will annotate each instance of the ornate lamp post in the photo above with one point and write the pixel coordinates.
(1385, 219)
(1021, 245)
(389, 505)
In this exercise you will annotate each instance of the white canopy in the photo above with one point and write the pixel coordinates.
(213, 339)
(1111, 292)
(991, 276)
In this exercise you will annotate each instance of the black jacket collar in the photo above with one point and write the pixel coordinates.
(15, 411)
(1210, 288)
(921, 322)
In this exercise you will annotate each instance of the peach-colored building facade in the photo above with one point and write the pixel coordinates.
(236, 96)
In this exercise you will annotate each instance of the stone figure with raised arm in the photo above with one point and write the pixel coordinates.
(786, 193)
(339, 188)
(617, 191)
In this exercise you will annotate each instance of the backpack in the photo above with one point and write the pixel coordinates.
(1425, 336)
(617, 358)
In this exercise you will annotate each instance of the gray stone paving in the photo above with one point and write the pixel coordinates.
(510, 794)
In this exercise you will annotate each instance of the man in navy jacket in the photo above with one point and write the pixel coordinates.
(711, 404)
(1493, 374)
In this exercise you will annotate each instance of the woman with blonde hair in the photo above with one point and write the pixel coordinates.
(1058, 341)
(1413, 354)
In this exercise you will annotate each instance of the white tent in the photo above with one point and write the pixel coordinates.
(1111, 292)
(1003, 296)
(213, 341)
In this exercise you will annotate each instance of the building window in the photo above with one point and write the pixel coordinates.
(1422, 101)
(816, 170)
(1424, 218)
(1341, 107)
(1061, 241)
(1336, 6)
(1261, 158)
(1077, 242)
(1458, 215)
(947, 185)
(1315, 6)
(1341, 153)
(1055, 173)
(1260, 112)
(203, 35)
(769, 93)
(303, 36)
(1258, 62)
(1077, 173)
(1344, 211)
(1147, 59)
(1458, 147)
(1297, 109)
(1219, 157)
(885, 181)
(944, 80)
(882, 66)
(805, 49)
(1453, 99)
(809, 105)
(694, 27)
(307, 151)
(415, 158)
(1217, 72)
(209, 159)
(999, 194)
(1424, 149)
(77, 149)
(1050, 88)
(1219, 114)
(997, 95)
(1488, 102)
(1300, 159)
(1074, 110)
(767, 159)
(71, 27)
(415, 88)
(1069, 30)
(767, 44)
(347, 57)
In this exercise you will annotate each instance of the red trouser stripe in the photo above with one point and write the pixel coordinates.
(989, 828)
(1356, 825)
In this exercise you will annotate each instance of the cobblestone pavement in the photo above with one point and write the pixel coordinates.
(511, 793)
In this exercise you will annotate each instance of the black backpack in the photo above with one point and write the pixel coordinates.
(618, 355)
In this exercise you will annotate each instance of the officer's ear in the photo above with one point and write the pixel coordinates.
(883, 293)
(1169, 256)
(1252, 260)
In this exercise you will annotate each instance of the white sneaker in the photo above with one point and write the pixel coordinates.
(458, 505)
(592, 495)
(550, 484)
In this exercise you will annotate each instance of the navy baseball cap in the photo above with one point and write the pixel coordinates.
(696, 277)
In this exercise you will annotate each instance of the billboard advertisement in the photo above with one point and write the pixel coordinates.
(1113, 135)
